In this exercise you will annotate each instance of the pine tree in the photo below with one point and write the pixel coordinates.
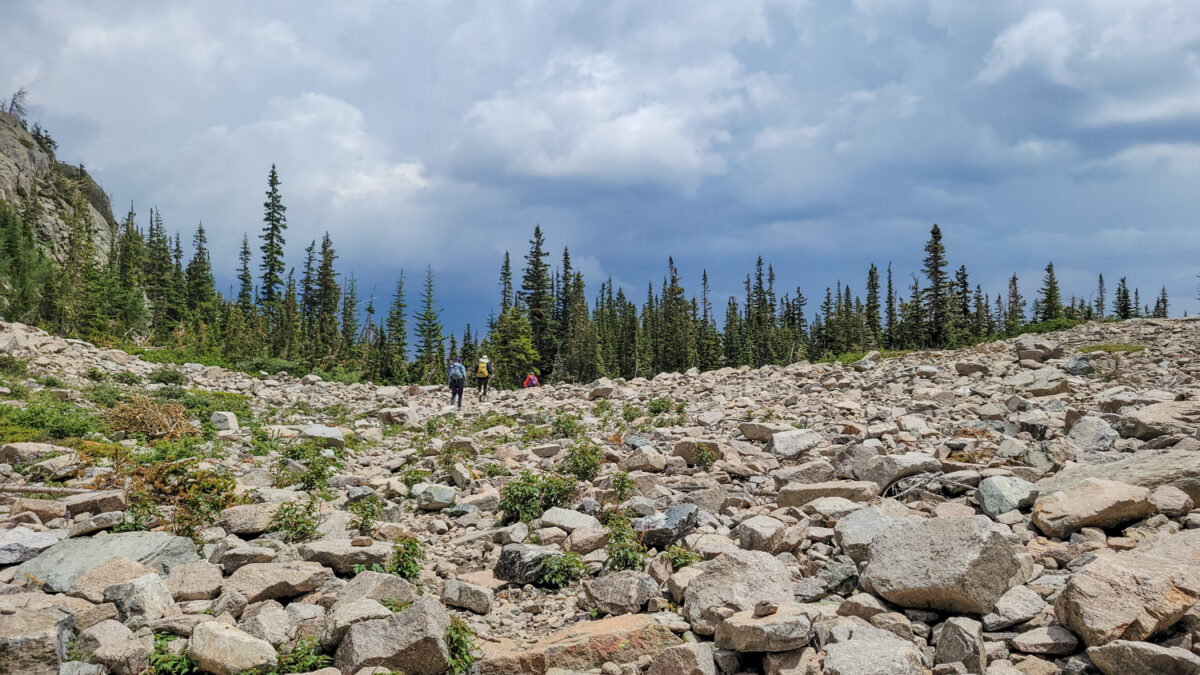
(874, 327)
(1161, 307)
(1100, 295)
(1122, 306)
(890, 335)
(1049, 301)
(272, 265)
(506, 287)
(199, 273)
(324, 342)
(537, 294)
(1014, 316)
(308, 292)
(245, 299)
(430, 364)
(397, 334)
(350, 324)
(936, 307)
(512, 342)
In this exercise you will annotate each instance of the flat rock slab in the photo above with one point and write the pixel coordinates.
(1148, 468)
(584, 646)
(1092, 503)
(60, 565)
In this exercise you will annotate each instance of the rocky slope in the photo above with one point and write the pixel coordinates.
(27, 170)
(1018, 507)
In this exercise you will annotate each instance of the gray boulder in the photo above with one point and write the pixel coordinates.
(961, 640)
(1001, 494)
(60, 565)
(737, 580)
(1126, 657)
(955, 564)
(621, 592)
(411, 640)
(663, 529)
(522, 563)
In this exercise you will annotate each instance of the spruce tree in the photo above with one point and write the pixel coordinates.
(506, 286)
(1123, 307)
(397, 333)
(430, 364)
(537, 293)
(245, 299)
(1014, 316)
(272, 265)
(1161, 308)
(1050, 301)
(1100, 295)
(199, 273)
(350, 324)
(889, 333)
(936, 306)
(324, 342)
(874, 328)
(512, 342)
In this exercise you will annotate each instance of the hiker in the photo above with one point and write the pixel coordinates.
(531, 381)
(458, 376)
(483, 374)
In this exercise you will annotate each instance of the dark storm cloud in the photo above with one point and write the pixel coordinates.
(823, 136)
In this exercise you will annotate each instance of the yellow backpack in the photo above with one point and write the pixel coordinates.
(482, 369)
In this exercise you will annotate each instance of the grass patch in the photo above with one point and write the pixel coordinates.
(1113, 347)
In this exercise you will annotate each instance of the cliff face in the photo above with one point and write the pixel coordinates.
(28, 171)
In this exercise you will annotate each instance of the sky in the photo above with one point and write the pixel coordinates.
(822, 136)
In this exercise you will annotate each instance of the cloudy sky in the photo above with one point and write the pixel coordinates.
(823, 136)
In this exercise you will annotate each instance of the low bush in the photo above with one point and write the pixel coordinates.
(460, 642)
(150, 419)
(625, 549)
(658, 406)
(680, 556)
(566, 425)
(366, 513)
(51, 419)
(558, 571)
(168, 376)
(530, 494)
(303, 657)
(296, 521)
(583, 460)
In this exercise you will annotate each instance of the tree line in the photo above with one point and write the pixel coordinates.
(314, 320)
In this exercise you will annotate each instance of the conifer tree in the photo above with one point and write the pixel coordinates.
(537, 294)
(936, 307)
(1100, 295)
(512, 342)
(1160, 305)
(245, 299)
(350, 324)
(324, 342)
(397, 334)
(1050, 301)
(1123, 307)
(1015, 313)
(506, 286)
(874, 326)
(272, 265)
(199, 273)
(431, 360)
(890, 336)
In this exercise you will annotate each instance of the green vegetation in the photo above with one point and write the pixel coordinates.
(705, 456)
(460, 642)
(623, 486)
(630, 412)
(680, 556)
(393, 605)
(583, 460)
(406, 559)
(46, 418)
(411, 477)
(197, 495)
(296, 521)
(315, 467)
(1112, 348)
(566, 425)
(625, 549)
(127, 378)
(366, 512)
(558, 571)
(530, 494)
(658, 406)
(303, 657)
(165, 662)
(168, 376)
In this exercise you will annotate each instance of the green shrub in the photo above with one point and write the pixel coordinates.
(494, 470)
(165, 662)
(558, 571)
(411, 477)
(304, 657)
(296, 521)
(95, 375)
(317, 468)
(366, 512)
(533, 433)
(602, 407)
(49, 381)
(658, 406)
(680, 556)
(393, 605)
(105, 396)
(127, 377)
(451, 455)
(406, 559)
(168, 376)
(460, 642)
(630, 412)
(529, 495)
(625, 549)
(705, 456)
(197, 495)
(566, 425)
(12, 366)
(583, 460)
(623, 486)
(54, 419)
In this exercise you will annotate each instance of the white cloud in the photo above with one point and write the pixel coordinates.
(1044, 40)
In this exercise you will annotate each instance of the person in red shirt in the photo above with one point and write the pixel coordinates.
(531, 381)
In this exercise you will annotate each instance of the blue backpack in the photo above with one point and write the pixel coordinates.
(457, 372)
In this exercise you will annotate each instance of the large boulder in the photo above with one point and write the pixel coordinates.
(799, 494)
(522, 563)
(854, 647)
(1160, 419)
(1135, 594)
(249, 518)
(736, 580)
(1045, 381)
(1125, 657)
(343, 556)
(663, 529)
(140, 600)
(60, 565)
(1001, 494)
(1093, 503)
(466, 595)
(1093, 434)
(34, 641)
(693, 658)
(955, 564)
(584, 646)
(883, 470)
(568, 520)
(621, 592)
(271, 581)
(793, 443)
(961, 640)
(855, 532)
(1147, 468)
(412, 640)
(787, 627)
(224, 650)
(21, 543)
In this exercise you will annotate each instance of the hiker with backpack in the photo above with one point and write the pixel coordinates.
(483, 375)
(458, 377)
(531, 381)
